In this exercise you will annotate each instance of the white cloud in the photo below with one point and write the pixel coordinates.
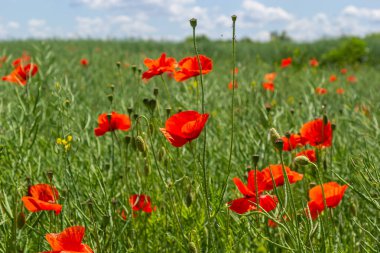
(258, 12)
(38, 28)
(100, 4)
(363, 13)
(114, 27)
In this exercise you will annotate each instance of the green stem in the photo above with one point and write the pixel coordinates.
(205, 128)
(232, 120)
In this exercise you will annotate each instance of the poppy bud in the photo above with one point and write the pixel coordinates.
(141, 145)
(193, 22)
(268, 107)
(130, 110)
(135, 116)
(301, 160)
(146, 102)
(161, 154)
(147, 169)
(152, 104)
(50, 175)
(168, 111)
(139, 71)
(118, 64)
(127, 139)
(193, 247)
(110, 97)
(134, 68)
(66, 103)
(279, 144)
(255, 160)
(274, 135)
(325, 120)
(109, 117)
(20, 220)
(233, 17)
(155, 92)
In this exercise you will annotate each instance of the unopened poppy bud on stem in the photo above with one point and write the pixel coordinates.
(134, 68)
(193, 22)
(110, 97)
(118, 64)
(274, 135)
(50, 175)
(168, 111)
(155, 92)
(130, 110)
(255, 160)
(279, 144)
(301, 160)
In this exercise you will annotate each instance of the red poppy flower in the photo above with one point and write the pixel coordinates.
(294, 141)
(189, 67)
(332, 78)
(313, 63)
(141, 202)
(42, 197)
(317, 133)
(248, 203)
(112, 122)
(21, 74)
(343, 71)
(309, 153)
(339, 91)
(333, 194)
(352, 79)
(158, 66)
(184, 127)
(84, 62)
(68, 241)
(286, 62)
(22, 61)
(230, 85)
(320, 91)
(270, 77)
(275, 170)
(268, 86)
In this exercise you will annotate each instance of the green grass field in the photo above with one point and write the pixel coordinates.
(95, 176)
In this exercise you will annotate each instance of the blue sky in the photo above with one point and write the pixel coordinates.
(304, 20)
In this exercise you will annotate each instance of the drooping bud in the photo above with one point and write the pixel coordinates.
(141, 145)
(274, 135)
(193, 247)
(301, 160)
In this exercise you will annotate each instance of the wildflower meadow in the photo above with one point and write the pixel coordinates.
(194, 146)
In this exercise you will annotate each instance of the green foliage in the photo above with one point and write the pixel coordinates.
(350, 51)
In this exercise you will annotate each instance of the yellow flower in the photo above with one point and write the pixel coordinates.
(67, 147)
(69, 138)
(59, 141)
(64, 142)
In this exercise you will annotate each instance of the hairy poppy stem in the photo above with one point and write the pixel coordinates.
(287, 188)
(193, 23)
(233, 17)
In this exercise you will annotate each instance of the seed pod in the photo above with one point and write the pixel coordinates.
(152, 104)
(279, 144)
(155, 92)
(274, 135)
(193, 22)
(301, 160)
(20, 220)
(193, 248)
(141, 145)
(161, 154)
